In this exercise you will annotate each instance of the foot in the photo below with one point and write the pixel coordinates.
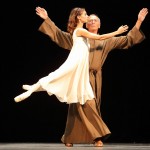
(31, 87)
(22, 96)
(98, 143)
(69, 145)
(26, 87)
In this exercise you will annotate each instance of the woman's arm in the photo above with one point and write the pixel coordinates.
(87, 34)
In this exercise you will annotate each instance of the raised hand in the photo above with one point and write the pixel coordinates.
(142, 14)
(41, 12)
(141, 17)
(122, 29)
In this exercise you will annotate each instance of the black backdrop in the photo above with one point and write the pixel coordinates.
(27, 55)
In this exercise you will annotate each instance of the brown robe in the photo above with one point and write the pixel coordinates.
(84, 122)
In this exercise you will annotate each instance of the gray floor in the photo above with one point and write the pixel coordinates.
(56, 146)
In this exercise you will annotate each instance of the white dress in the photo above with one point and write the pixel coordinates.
(70, 82)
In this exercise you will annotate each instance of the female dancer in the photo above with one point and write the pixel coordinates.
(70, 82)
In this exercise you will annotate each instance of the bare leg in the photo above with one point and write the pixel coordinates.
(26, 94)
(29, 87)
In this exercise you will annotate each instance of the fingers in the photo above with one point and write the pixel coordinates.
(39, 9)
(144, 11)
(125, 27)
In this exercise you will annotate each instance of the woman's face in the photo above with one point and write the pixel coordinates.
(83, 17)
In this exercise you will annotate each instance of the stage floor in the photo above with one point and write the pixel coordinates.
(60, 146)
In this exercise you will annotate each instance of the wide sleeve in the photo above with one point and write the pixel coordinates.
(133, 37)
(61, 38)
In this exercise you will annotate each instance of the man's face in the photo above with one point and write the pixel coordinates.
(93, 23)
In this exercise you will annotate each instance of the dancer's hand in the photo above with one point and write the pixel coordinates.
(41, 12)
(122, 29)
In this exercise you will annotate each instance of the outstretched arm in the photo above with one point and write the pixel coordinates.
(87, 34)
(121, 29)
(48, 27)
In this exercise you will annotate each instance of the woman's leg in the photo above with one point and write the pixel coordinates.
(23, 96)
(29, 87)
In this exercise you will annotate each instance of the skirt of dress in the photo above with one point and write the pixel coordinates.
(70, 82)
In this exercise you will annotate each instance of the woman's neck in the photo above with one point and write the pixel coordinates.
(79, 25)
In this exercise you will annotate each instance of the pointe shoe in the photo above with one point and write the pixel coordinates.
(69, 145)
(22, 96)
(98, 143)
(26, 87)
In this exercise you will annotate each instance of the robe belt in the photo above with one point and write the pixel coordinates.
(93, 71)
(95, 83)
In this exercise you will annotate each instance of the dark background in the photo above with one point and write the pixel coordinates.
(27, 55)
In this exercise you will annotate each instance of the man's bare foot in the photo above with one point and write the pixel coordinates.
(69, 145)
(98, 143)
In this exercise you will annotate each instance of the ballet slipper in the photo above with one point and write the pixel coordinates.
(26, 87)
(98, 143)
(22, 96)
(69, 145)
(31, 87)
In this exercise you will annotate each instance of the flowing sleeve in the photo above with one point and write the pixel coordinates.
(133, 37)
(61, 38)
